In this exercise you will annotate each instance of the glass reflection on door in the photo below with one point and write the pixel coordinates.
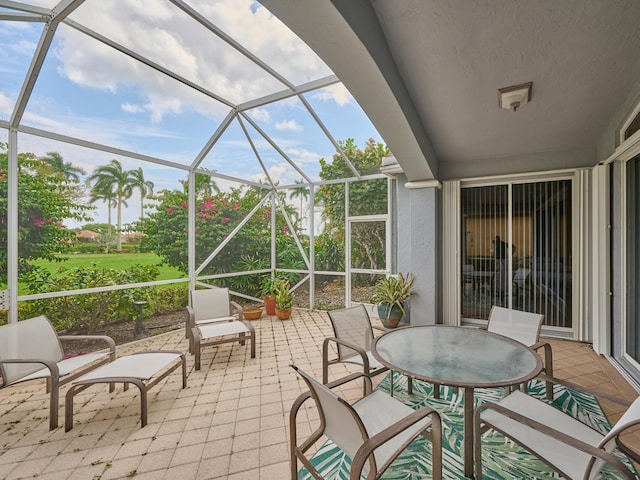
(525, 267)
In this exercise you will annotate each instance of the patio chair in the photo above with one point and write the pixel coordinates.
(570, 447)
(373, 431)
(211, 321)
(31, 349)
(353, 339)
(525, 328)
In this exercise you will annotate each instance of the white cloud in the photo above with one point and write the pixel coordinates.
(6, 105)
(337, 93)
(259, 114)
(174, 40)
(302, 156)
(290, 125)
(131, 108)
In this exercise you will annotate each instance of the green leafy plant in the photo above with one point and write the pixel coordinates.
(284, 295)
(87, 312)
(393, 290)
(270, 285)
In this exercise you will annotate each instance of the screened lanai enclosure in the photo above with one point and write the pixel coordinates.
(203, 137)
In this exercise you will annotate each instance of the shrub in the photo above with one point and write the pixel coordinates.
(166, 298)
(85, 312)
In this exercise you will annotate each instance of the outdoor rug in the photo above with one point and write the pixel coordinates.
(502, 459)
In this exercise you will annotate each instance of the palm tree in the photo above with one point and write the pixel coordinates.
(145, 187)
(112, 177)
(206, 185)
(302, 193)
(62, 169)
(107, 195)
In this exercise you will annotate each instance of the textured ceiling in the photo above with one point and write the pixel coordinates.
(444, 60)
(582, 57)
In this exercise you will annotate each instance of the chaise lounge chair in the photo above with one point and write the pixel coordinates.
(31, 349)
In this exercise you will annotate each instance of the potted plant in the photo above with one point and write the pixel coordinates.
(284, 300)
(390, 296)
(252, 313)
(269, 289)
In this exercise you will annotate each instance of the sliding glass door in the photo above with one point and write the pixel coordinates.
(632, 340)
(516, 249)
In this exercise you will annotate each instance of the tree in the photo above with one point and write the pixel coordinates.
(113, 177)
(365, 198)
(302, 193)
(44, 204)
(206, 186)
(145, 187)
(166, 231)
(65, 170)
(106, 194)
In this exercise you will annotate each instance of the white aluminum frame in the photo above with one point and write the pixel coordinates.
(52, 18)
(451, 278)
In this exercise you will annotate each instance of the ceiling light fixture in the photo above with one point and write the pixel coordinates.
(515, 96)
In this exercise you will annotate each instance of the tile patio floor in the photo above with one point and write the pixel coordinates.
(230, 422)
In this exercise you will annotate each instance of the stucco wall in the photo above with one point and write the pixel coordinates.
(417, 240)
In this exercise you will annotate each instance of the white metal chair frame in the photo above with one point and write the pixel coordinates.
(373, 431)
(577, 451)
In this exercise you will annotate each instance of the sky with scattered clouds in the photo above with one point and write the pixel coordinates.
(93, 92)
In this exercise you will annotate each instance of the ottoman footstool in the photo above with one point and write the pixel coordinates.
(142, 369)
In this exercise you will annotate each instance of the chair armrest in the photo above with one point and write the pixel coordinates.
(580, 388)
(556, 434)
(110, 343)
(237, 307)
(389, 433)
(191, 318)
(336, 383)
(538, 345)
(358, 350)
(52, 366)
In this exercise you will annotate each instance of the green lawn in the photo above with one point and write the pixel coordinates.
(117, 261)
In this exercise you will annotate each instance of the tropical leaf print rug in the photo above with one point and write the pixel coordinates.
(502, 459)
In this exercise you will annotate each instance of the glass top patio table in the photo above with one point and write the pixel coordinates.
(460, 357)
(457, 356)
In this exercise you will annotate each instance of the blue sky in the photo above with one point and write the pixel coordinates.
(89, 91)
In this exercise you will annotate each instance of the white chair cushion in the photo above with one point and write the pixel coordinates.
(68, 365)
(516, 324)
(378, 411)
(31, 338)
(142, 366)
(220, 329)
(210, 303)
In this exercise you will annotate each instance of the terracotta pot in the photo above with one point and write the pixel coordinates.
(390, 318)
(252, 313)
(283, 314)
(270, 305)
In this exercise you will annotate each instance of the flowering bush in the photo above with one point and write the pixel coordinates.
(166, 229)
(45, 201)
